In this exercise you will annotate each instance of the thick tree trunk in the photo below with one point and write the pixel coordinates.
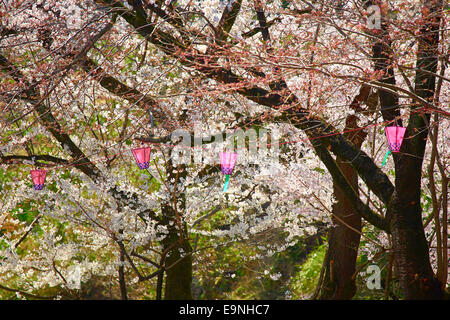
(409, 243)
(343, 246)
(410, 247)
(343, 240)
(178, 267)
(404, 211)
(176, 246)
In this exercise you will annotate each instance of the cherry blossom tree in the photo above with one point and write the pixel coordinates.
(83, 82)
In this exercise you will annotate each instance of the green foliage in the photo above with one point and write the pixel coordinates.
(233, 272)
(25, 212)
(304, 282)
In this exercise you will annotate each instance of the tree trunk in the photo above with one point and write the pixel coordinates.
(343, 240)
(404, 213)
(343, 246)
(178, 266)
(404, 210)
(176, 246)
(408, 237)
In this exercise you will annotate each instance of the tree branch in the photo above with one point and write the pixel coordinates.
(42, 157)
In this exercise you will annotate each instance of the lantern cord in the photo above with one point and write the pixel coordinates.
(227, 180)
(385, 158)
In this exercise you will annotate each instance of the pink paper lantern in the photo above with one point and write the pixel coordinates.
(395, 136)
(142, 156)
(38, 177)
(227, 161)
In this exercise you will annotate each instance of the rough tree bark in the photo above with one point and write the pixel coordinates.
(176, 245)
(404, 211)
(178, 265)
(343, 240)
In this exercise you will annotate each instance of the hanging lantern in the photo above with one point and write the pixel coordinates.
(227, 162)
(395, 136)
(38, 177)
(142, 156)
